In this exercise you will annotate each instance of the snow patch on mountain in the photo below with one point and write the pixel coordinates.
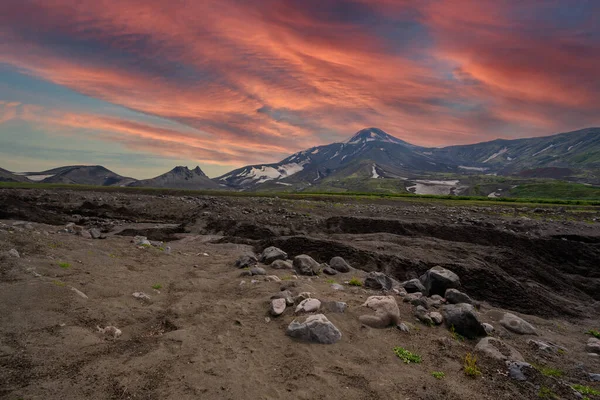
(504, 150)
(543, 150)
(472, 168)
(375, 174)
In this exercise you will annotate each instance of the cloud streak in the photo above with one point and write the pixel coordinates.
(250, 82)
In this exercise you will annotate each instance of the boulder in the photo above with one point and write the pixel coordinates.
(437, 280)
(316, 328)
(286, 295)
(546, 347)
(339, 264)
(464, 319)
(436, 317)
(593, 346)
(498, 350)
(423, 316)
(329, 271)
(409, 298)
(281, 264)
(308, 305)
(378, 281)
(517, 325)
(14, 253)
(271, 254)
(95, 233)
(245, 261)
(334, 306)
(306, 265)
(337, 286)
(413, 286)
(386, 312)
(454, 296)
(519, 370)
(488, 328)
(258, 271)
(277, 307)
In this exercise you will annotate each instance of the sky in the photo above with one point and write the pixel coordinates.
(141, 86)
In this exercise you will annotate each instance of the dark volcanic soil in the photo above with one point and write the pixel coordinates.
(204, 336)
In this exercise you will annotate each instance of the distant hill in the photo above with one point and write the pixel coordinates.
(180, 178)
(7, 176)
(83, 175)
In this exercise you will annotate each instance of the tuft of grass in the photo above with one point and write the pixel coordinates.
(546, 371)
(470, 366)
(59, 283)
(457, 336)
(438, 374)
(285, 277)
(594, 333)
(407, 356)
(586, 390)
(64, 265)
(157, 286)
(355, 282)
(331, 281)
(546, 393)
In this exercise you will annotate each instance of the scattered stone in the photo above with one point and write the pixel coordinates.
(420, 301)
(258, 271)
(246, 273)
(306, 265)
(517, 325)
(253, 281)
(498, 350)
(278, 307)
(95, 233)
(272, 278)
(454, 296)
(378, 281)
(287, 285)
(337, 286)
(141, 296)
(329, 271)
(14, 253)
(111, 331)
(519, 370)
(593, 345)
(594, 377)
(488, 328)
(545, 347)
(386, 312)
(423, 316)
(308, 305)
(141, 241)
(316, 328)
(281, 264)
(246, 261)
(413, 286)
(464, 319)
(286, 295)
(403, 327)
(437, 280)
(85, 234)
(79, 293)
(334, 306)
(400, 291)
(271, 254)
(436, 317)
(339, 264)
(412, 296)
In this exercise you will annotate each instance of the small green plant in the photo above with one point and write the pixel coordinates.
(546, 393)
(59, 283)
(438, 374)
(64, 265)
(550, 371)
(355, 282)
(586, 390)
(407, 356)
(457, 336)
(286, 278)
(157, 286)
(111, 255)
(331, 281)
(470, 366)
(594, 333)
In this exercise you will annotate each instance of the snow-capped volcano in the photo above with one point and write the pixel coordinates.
(373, 135)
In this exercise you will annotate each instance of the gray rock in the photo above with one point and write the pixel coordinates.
(286, 295)
(423, 316)
(329, 271)
(141, 296)
(488, 328)
(400, 291)
(306, 265)
(519, 370)
(79, 293)
(593, 345)
(271, 254)
(281, 264)
(378, 281)
(277, 307)
(403, 327)
(272, 278)
(454, 296)
(437, 280)
(85, 234)
(386, 312)
(548, 347)
(139, 240)
(498, 350)
(436, 317)
(412, 296)
(464, 319)
(246, 261)
(413, 286)
(335, 306)
(517, 325)
(316, 328)
(14, 253)
(246, 273)
(420, 301)
(258, 271)
(337, 286)
(308, 305)
(95, 233)
(339, 264)
(594, 377)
